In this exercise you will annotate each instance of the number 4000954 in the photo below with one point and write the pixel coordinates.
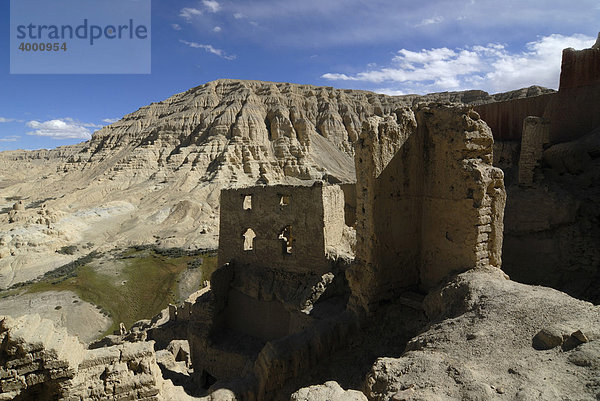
(42, 47)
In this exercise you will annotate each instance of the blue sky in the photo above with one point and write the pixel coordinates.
(388, 46)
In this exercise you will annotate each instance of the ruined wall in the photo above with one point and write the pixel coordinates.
(463, 195)
(551, 227)
(252, 304)
(268, 303)
(293, 356)
(580, 68)
(429, 202)
(396, 212)
(506, 118)
(574, 112)
(333, 216)
(262, 319)
(41, 362)
(379, 141)
(349, 203)
(536, 133)
(269, 215)
(551, 232)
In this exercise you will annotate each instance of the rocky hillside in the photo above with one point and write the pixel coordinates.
(155, 175)
(490, 338)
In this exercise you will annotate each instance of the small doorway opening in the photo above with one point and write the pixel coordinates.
(249, 236)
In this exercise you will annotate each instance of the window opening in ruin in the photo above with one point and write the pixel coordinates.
(284, 200)
(247, 202)
(181, 356)
(249, 236)
(286, 240)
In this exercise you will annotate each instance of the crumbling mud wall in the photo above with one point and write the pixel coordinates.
(379, 142)
(574, 111)
(349, 203)
(536, 134)
(41, 362)
(259, 370)
(285, 227)
(429, 201)
(271, 293)
(334, 218)
(506, 118)
(463, 195)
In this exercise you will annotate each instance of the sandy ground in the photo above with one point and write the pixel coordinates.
(64, 308)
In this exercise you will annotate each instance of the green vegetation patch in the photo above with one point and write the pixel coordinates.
(144, 284)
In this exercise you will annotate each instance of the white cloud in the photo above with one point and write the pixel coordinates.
(391, 92)
(65, 128)
(9, 120)
(430, 21)
(217, 29)
(540, 63)
(177, 27)
(110, 120)
(209, 49)
(492, 67)
(239, 16)
(212, 5)
(188, 13)
(12, 138)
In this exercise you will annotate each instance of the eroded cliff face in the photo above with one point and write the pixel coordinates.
(229, 130)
